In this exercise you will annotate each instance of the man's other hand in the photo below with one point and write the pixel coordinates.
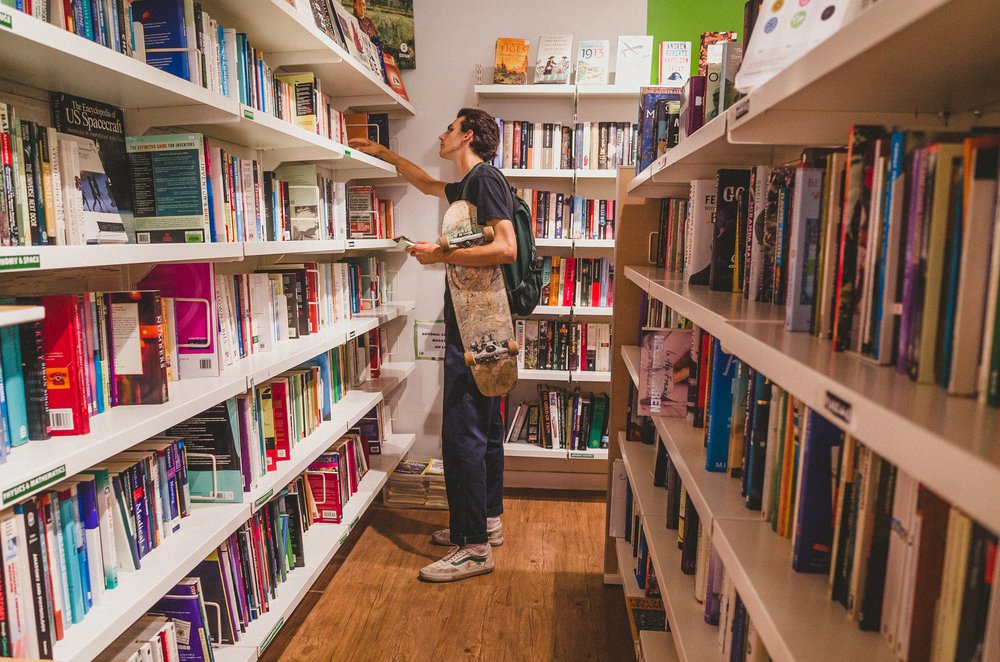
(426, 252)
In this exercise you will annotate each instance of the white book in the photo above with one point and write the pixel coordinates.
(770, 457)
(552, 65)
(698, 235)
(592, 57)
(537, 145)
(56, 564)
(803, 245)
(17, 585)
(508, 144)
(519, 336)
(232, 78)
(57, 191)
(634, 60)
(675, 63)
(756, 248)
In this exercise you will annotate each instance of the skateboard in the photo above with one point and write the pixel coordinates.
(480, 300)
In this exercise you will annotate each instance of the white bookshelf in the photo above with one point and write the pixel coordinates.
(597, 174)
(320, 543)
(626, 569)
(589, 454)
(657, 646)
(552, 311)
(278, 248)
(537, 173)
(593, 311)
(554, 243)
(525, 374)
(607, 244)
(591, 376)
(370, 244)
(12, 315)
(538, 91)
(521, 449)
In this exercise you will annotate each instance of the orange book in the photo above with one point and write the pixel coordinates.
(554, 290)
(511, 64)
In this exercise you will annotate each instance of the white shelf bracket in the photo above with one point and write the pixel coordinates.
(272, 158)
(139, 121)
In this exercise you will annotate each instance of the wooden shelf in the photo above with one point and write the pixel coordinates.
(854, 76)
(11, 315)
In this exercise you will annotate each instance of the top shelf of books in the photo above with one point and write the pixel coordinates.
(569, 91)
(854, 77)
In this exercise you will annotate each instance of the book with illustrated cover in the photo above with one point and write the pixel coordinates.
(304, 200)
(592, 58)
(634, 60)
(64, 367)
(511, 62)
(184, 605)
(170, 188)
(698, 232)
(663, 372)
(710, 49)
(105, 175)
(675, 63)
(136, 326)
(393, 77)
(552, 64)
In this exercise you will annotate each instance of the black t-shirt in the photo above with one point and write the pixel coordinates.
(488, 191)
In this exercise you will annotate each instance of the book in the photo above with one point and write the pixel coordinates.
(634, 60)
(393, 76)
(665, 355)
(136, 335)
(731, 190)
(64, 366)
(813, 535)
(804, 253)
(104, 177)
(212, 444)
(170, 188)
(592, 58)
(552, 64)
(675, 63)
(511, 62)
(720, 404)
(710, 49)
(184, 605)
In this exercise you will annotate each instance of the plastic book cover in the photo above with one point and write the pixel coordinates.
(511, 61)
(214, 465)
(136, 326)
(552, 63)
(592, 62)
(634, 60)
(192, 287)
(675, 63)
(665, 355)
(105, 176)
(185, 607)
(170, 189)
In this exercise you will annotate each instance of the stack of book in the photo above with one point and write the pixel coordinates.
(369, 217)
(417, 484)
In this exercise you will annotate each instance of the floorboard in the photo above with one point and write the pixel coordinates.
(546, 600)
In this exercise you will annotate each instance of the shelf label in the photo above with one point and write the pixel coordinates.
(32, 484)
(247, 113)
(271, 635)
(343, 539)
(742, 107)
(6, 21)
(353, 333)
(350, 244)
(347, 152)
(355, 521)
(590, 456)
(33, 261)
(263, 499)
(840, 408)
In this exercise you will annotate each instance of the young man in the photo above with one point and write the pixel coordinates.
(471, 431)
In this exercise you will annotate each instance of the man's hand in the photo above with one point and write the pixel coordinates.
(369, 147)
(427, 253)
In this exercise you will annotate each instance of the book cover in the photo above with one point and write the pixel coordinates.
(813, 537)
(648, 98)
(13, 377)
(592, 58)
(634, 60)
(64, 366)
(710, 49)
(511, 62)
(804, 244)
(209, 573)
(214, 465)
(665, 355)
(720, 405)
(692, 113)
(393, 76)
(675, 63)
(140, 369)
(731, 188)
(325, 476)
(192, 288)
(105, 184)
(185, 607)
(552, 64)
(169, 187)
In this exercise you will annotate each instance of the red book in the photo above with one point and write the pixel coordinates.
(583, 349)
(595, 285)
(281, 406)
(64, 371)
(324, 476)
(392, 75)
(516, 147)
(569, 281)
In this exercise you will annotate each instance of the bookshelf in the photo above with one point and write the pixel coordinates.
(38, 58)
(569, 91)
(657, 646)
(949, 444)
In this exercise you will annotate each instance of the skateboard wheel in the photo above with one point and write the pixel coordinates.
(444, 243)
(470, 359)
(513, 348)
(487, 234)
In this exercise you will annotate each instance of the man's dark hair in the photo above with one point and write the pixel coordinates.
(485, 134)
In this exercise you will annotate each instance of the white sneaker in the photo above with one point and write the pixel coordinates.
(443, 536)
(460, 563)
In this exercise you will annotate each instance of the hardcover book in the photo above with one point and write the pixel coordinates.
(105, 176)
(170, 188)
(663, 382)
(675, 63)
(214, 465)
(511, 62)
(732, 187)
(552, 64)
(136, 335)
(710, 49)
(592, 59)
(64, 366)
(634, 60)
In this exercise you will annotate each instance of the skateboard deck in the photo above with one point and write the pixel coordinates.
(480, 300)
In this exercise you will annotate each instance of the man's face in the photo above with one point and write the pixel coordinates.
(452, 139)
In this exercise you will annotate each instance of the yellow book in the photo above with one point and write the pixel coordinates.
(555, 291)
(511, 63)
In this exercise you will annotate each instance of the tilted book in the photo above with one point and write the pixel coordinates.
(553, 61)
(634, 60)
(663, 382)
(214, 465)
(592, 57)
(170, 188)
(136, 326)
(511, 63)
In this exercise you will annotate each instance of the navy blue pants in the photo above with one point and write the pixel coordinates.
(471, 444)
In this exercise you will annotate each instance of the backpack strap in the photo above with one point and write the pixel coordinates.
(468, 179)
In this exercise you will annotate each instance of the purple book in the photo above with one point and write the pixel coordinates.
(814, 521)
(911, 266)
(713, 592)
(218, 605)
(183, 604)
(192, 287)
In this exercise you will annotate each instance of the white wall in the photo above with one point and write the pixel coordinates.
(452, 37)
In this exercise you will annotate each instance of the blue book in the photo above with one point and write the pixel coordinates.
(80, 539)
(70, 534)
(647, 123)
(720, 409)
(323, 362)
(88, 19)
(164, 26)
(892, 189)
(223, 62)
(5, 440)
(234, 164)
(241, 67)
(814, 517)
(90, 519)
(13, 384)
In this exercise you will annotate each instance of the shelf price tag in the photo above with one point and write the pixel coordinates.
(742, 107)
(354, 522)
(263, 499)
(347, 152)
(840, 408)
(583, 455)
(12, 262)
(351, 243)
(6, 21)
(32, 484)
(247, 113)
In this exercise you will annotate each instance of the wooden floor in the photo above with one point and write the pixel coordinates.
(546, 600)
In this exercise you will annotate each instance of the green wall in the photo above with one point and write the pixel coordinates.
(685, 20)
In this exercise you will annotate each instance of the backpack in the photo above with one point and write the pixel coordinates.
(523, 276)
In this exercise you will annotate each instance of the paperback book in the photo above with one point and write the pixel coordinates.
(553, 62)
